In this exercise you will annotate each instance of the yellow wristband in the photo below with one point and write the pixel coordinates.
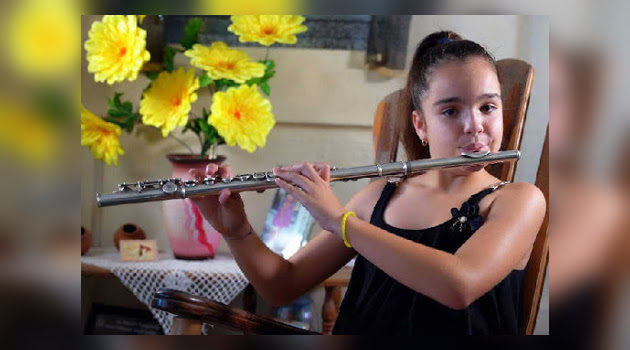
(343, 228)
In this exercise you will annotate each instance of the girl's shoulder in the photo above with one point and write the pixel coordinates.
(525, 189)
(518, 195)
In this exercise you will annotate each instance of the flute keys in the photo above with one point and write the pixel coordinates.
(169, 187)
(243, 177)
(209, 180)
(151, 184)
(140, 185)
(259, 176)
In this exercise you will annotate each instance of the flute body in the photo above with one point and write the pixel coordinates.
(166, 189)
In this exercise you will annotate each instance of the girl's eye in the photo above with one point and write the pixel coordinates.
(449, 112)
(488, 108)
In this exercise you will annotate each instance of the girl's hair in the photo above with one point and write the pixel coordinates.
(436, 48)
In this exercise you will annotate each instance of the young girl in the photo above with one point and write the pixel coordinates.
(438, 253)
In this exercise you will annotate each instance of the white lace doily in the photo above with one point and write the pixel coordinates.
(218, 279)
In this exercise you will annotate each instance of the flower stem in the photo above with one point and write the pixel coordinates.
(182, 142)
(201, 152)
(213, 151)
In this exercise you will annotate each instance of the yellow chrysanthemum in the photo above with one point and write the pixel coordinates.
(267, 29)
(167, 102)
(242, 116)
(102, 137)
(116, 49)
(222, 62)
(40, 38)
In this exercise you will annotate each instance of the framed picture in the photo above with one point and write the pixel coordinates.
(288, 225)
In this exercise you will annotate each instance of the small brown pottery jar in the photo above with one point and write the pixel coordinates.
(128, 231)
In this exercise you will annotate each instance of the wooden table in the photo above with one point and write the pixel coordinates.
(333, 286)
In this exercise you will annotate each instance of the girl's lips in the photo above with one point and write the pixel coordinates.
(480, 148)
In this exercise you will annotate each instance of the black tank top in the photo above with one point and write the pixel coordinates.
(375, 303)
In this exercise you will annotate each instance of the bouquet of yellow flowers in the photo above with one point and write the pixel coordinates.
(239, 113)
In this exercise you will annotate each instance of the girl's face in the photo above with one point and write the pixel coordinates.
(462, 110)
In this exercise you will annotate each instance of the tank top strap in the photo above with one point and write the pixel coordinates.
(475, 198)
(467, 218)
(386, 194)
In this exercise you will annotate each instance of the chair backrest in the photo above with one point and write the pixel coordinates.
(516, 79)
(539, 259)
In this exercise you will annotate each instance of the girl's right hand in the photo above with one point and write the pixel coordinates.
(226, 211)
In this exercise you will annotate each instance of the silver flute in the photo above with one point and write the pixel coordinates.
(175, 188)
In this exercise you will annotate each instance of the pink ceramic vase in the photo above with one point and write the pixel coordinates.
(190, 235)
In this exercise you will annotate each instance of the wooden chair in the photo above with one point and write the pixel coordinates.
(516, 79)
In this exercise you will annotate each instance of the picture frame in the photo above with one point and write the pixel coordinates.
(287, 226)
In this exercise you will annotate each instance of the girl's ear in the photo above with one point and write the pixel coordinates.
(419, 124)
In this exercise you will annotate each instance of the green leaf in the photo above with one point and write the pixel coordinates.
(191, 33)
(266, 88)
(169, 56)
(269, 73)
(205, 80)
(207, 134)
(112, 112)
(114, 101)
(205, 128)
(152, 75)
(226, 83)
(121, 113)
(270, 64)
(127, 106)
(205, 113)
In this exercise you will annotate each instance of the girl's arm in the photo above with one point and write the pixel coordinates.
(481, 263)
(280, 281)
(325, 254)
(455, 280)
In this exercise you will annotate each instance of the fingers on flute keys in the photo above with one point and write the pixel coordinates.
(313, 172)
(289, 188)
(292, 176)
(323, 169)
(224, 171)
(196, 174)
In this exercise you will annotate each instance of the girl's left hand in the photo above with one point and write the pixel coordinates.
(315, 193)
